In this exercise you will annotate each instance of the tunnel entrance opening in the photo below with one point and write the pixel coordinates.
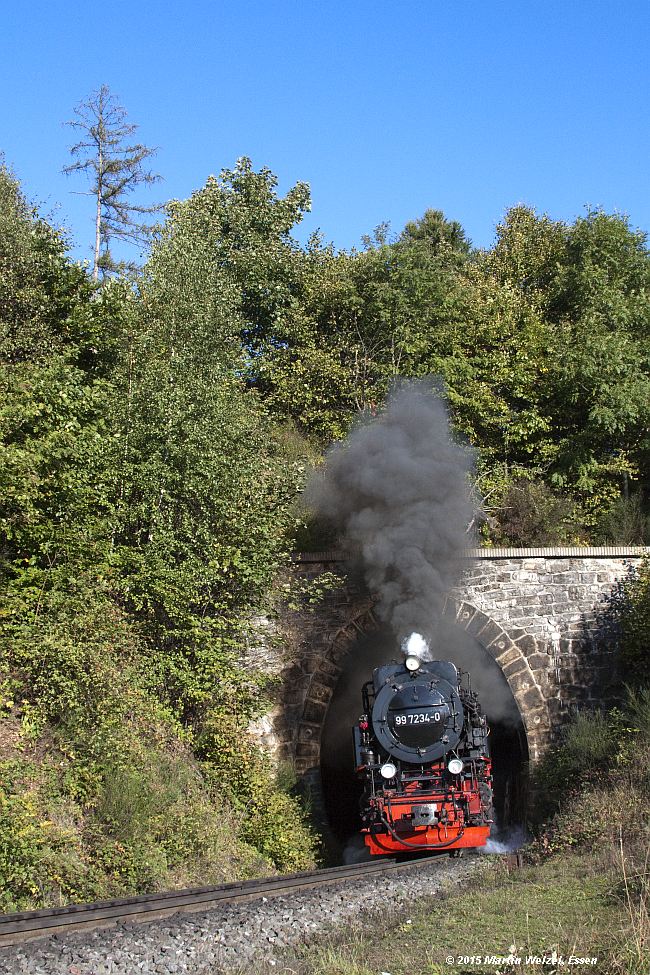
(509, 776)
(341, 789)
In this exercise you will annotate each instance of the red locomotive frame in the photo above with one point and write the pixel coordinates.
(398, 809)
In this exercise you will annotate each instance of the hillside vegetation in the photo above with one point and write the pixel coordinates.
(145, 505)
(155, 433)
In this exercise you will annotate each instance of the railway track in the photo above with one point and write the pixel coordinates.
(30, 925)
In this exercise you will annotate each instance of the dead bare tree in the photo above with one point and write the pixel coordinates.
(114, 167)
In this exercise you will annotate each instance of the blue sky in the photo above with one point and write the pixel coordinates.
(384, 108)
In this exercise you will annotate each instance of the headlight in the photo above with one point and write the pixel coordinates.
(388, 770)
(455, 766)
(412, 662)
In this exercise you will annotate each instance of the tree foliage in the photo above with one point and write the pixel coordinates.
(541, 343)
(628, 619)
(144, 507)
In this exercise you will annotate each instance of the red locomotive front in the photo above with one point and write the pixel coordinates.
(421, 748)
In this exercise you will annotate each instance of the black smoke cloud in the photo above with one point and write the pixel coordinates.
(399, 488)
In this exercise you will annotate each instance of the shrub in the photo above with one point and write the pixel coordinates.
(145, 502)
(531, 514)
(631, 612)
(596, 782)
(626, 522)
(273, 820)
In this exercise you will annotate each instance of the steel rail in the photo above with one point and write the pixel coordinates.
(30, 925)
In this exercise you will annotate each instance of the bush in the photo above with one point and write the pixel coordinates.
(596, 782)
(272, 817)
(531, 514)
(630, 612)
(145, 504)
(626, 523)
(137, 833)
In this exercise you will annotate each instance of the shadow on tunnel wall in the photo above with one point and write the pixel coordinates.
(341, 790)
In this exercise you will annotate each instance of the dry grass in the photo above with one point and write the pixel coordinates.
(631, 950)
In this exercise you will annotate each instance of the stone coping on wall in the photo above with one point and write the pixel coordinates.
(568, 552)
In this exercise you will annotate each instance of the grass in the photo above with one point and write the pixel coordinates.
(634, 891)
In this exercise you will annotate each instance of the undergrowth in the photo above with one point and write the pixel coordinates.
(104, 792)
(146, 502)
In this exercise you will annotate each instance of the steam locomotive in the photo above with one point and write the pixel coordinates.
(421, 750)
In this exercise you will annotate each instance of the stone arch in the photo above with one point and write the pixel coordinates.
(324, 676)
(512, 651)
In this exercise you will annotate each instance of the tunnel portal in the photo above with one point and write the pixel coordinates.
(536, 612)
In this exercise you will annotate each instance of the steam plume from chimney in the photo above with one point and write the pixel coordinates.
(399, 488)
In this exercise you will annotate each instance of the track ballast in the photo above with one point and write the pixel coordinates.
(30, 925)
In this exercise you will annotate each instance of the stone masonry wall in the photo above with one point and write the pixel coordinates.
(556, 603)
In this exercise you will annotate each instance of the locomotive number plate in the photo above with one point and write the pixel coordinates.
(421, 718)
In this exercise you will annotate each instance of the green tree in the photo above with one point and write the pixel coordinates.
(541, 343)
(55, 347)
(204, 494)
(361, 319)
(144, 503)
(588, 283)
(115, 168)
(247, 232)
(44, 306)
(437, 233)
(204, 489)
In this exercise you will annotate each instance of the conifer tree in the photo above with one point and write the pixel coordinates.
(115, 168)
